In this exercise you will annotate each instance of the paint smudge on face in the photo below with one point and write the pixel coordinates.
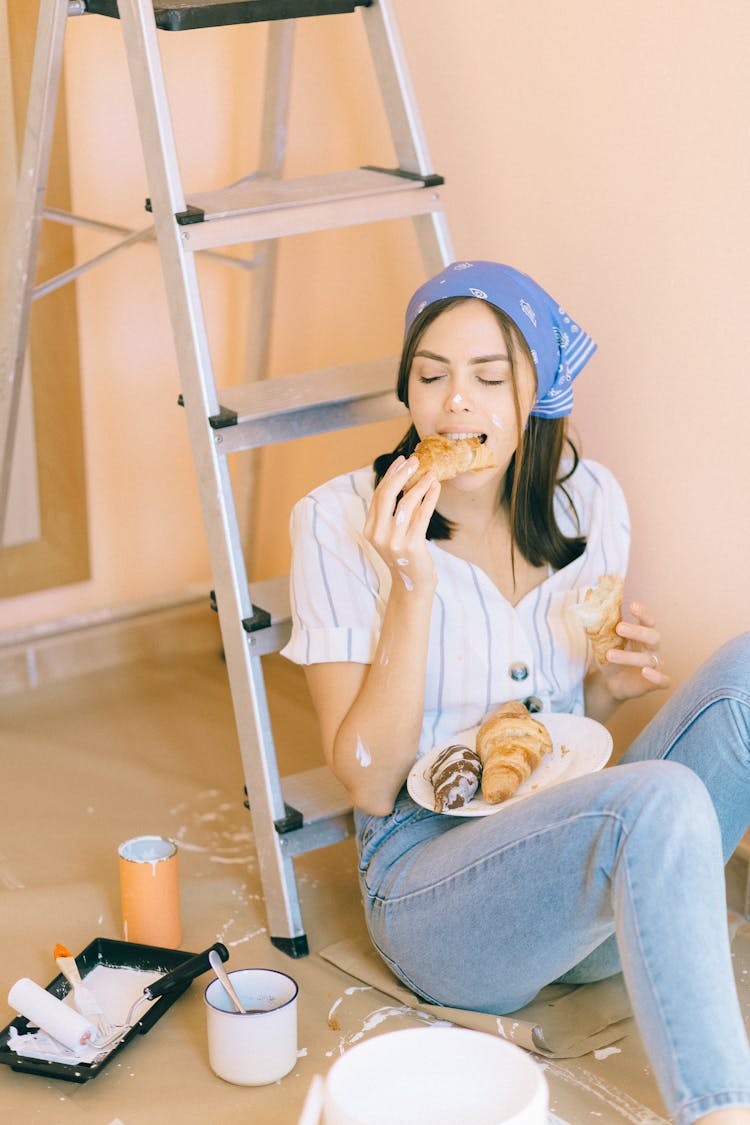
(497, 422)
(457, 400)
(362, 754)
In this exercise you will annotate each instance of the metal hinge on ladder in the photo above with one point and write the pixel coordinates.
(309, 810)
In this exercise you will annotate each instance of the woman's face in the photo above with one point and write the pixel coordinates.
(461, 385)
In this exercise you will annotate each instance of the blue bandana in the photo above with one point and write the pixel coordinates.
(560, 349)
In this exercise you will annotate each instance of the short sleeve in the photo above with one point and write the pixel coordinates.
(593, 504)
(335, 584)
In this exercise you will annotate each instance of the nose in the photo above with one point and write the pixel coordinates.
(456, 400)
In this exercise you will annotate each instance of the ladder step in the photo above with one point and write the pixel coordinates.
(185, 15)
(316, 794)
(315, 402)
(256, 210)
(271, 594)
(325, 807)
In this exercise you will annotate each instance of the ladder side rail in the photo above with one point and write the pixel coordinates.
(275, 116)
(25, 229)
(397, 91)
(277, 93)
(405, 122)
(233, 601)
(262, 283)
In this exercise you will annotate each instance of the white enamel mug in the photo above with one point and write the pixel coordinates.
(256, 1047)
(440, 1075)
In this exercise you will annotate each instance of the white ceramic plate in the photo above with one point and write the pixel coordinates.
(579, 746)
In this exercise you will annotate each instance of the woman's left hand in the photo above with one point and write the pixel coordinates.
(636, 669)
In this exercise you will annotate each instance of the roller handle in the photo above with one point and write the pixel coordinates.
(185, 972)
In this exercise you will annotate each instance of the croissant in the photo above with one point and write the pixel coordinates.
(449, 457)
(600, 612)
(455, 777)
(511, 743)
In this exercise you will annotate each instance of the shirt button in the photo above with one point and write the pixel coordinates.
(518, 671)
(533, 704)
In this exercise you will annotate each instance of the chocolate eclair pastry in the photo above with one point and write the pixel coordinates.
(455, 777)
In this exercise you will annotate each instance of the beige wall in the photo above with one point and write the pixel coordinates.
(601, 147)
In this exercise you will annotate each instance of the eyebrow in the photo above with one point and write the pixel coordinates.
(475, 359)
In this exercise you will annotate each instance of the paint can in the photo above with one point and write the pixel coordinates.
(150, 891)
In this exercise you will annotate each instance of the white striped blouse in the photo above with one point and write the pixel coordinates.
(482, 650)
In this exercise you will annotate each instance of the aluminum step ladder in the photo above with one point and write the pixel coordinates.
(309, 810)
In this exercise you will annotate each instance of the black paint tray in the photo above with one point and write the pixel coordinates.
(116, 955)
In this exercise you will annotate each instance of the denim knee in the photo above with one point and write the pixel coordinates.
(669, 809)
(729, 667)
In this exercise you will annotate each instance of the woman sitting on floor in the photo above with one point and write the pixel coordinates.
(421, 606)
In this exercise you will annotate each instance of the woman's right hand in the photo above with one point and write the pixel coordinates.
(371, 715)
(397, 529)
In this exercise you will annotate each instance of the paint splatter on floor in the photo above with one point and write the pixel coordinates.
(615, 1099)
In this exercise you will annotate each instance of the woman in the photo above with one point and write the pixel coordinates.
(418, 610)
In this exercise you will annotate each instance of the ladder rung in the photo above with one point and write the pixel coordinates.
(315, 402)
(256, 210)
(185, 15)
(320, 834)
(271, 594)
(249, 196)
(325, 807)
(316, 794)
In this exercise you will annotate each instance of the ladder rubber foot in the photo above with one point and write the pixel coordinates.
(292, 946)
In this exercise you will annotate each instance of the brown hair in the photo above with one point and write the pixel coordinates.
(532, 477)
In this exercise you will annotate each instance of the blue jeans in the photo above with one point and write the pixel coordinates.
(621, 870)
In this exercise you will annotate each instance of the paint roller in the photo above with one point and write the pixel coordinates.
(44, 1010)
(73, 1030)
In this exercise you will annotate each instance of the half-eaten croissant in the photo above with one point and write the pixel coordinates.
(600, 612)
(511, 743)
(448, 457)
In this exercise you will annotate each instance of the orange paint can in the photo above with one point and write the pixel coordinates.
(150, 891)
